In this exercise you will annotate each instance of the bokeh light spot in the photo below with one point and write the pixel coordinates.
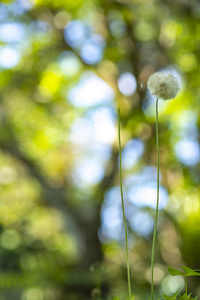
(103, 122)
(69, 63)
(171, 285)
(89, 171)
(75, 33)
(11, 32)
(131, 153)
(127, 84)
(142, 223)
(188, 152)
(111, 216)
(33, 294)
(144, 195)
(144, 31)
(188, 62)
(7, 175)
(10, 239)
(91, 90)
(9, 57)
(91, 51)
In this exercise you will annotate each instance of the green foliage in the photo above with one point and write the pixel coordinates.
(188, 272)
(178, 297)
(173, 297)
(175, 272)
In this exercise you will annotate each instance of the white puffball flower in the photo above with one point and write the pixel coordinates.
(163, 85)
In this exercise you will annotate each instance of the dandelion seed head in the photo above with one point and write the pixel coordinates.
(163, 85)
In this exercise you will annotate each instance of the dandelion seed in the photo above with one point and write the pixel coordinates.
(162, 85)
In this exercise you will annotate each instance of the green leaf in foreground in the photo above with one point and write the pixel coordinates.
(185, 297)
(173, 297)
(190, 272)
(175, 272)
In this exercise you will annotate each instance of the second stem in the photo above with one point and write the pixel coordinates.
(156, 218)
(123, 210)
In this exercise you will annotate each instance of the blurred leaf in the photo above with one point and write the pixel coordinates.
(175, 272)
(190, 272)
(173, 297)
(185, 297)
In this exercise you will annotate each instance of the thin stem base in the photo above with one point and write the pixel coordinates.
(157, 203)
(123, 210)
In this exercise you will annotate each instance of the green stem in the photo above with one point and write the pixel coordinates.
(186, 284)
(124, 218)
(156, 218)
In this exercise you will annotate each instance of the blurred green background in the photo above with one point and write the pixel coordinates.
(66, 66)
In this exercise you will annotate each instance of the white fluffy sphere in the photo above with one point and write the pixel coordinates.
(163, 85)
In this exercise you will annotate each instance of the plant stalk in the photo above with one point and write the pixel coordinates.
(123, 210)
(186, 284)
(156, 218)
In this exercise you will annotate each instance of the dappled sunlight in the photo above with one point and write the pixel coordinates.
(188, 62)
(184, 124)
(103, 123)
(91, 90)
(144, 195)
(142, 223)
(171, 285)
(111, 216)
(9, 57)
(66, 68)
(14, 194)
(131, 153)
(10, 239)
(127, 84)
(79, 36)
(185, 137)
(159, 274)
(117, 25)
(144, 31)
(50, 83)
(75, 33)
(96, 130)
(12, 32)
(168, 33)
(112, 224)
(33, 294)
(188, 152)
(87, 172)
(69, 63)
(185, 204)
(7, 175)
(92, 49)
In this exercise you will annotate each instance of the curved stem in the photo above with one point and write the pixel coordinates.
(124, 218)
(156, 218)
